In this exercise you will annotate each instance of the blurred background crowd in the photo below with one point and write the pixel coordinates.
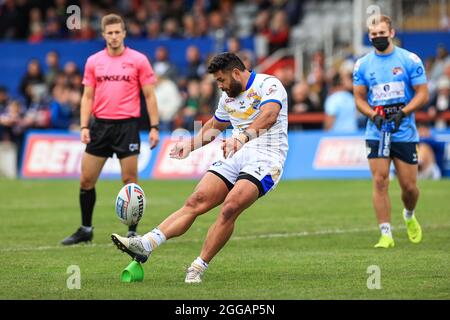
(320, 90)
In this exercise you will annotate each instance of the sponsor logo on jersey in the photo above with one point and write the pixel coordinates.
(251, 94)
(387, 91)
(273, 88)
(115, 77)
(414, 57)
(397, 71)
(127, 65)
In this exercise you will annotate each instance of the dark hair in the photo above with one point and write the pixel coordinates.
(225, 61)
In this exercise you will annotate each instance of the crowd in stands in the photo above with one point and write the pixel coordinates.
(151, 19)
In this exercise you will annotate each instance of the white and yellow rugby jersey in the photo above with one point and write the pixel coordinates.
(245, 108)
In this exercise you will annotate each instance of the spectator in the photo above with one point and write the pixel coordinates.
(134, 29)
(247, 57)
(86, 32)
(169, 101)
(153, 29)
(318, 87)
(177, 9)
(195, 68)
(442, 58)
(261, 22)
(208, 97)
(60, 109)
(440, 102)
(294, 11)
(340, 108)
(91, 18)
(74, 102)
(162, 64)
(430, 154)
(53, 29)
(202, 27)
(38, 116)
(53, 68)
(233, 45)
(14, 125)
(189, 27)
(36, 26)
(287, 77)
(32, 85)
(217, 28)
(8, 16)
(278, 32)
(189, 112)
(171, 29)
(4, 98)
(301, 101)
(71, 73)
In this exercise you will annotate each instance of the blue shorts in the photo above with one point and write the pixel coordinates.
(405, 151)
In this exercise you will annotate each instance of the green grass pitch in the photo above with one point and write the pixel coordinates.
(305, 240)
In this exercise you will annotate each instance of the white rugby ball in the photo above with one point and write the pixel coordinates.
(130, 204)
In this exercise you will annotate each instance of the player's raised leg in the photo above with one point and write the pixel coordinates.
(91, 166)
(242, 196)
(129, 169)
(381, 202)
(407, 177)
(209, 193)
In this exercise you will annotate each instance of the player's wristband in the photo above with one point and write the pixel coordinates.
(155, 126)
(84, 127)
(242, 143)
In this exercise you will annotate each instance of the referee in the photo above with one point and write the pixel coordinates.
(112, 81)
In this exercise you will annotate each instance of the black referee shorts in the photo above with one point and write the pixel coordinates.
(114, 136)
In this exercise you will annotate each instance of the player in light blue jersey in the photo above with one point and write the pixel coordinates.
(393, 78)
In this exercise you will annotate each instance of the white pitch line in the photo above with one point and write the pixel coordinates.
(250, 237)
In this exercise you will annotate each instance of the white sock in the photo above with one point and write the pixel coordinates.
(153, 239)
(408, 214)
(385, 229)
(200, 263)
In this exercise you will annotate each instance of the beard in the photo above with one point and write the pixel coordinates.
(235, 89)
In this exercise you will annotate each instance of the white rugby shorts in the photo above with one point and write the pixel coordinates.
(260, 168)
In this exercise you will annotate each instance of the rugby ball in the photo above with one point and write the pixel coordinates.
(130, 204)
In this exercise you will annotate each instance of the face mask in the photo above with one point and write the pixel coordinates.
(235, 88)
(380, 43)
